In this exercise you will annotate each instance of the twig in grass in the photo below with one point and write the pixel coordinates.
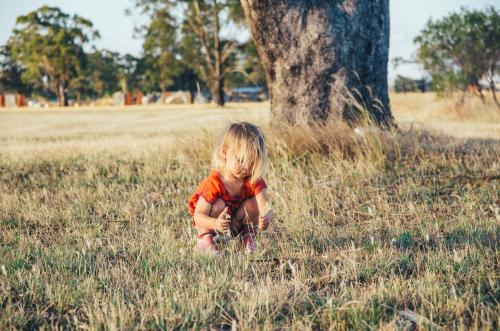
(414, 317)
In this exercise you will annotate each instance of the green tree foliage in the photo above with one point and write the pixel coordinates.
(192, 58)
(203, 49)
(103, 70)
(185, 43)
(131, 73)
(161, 51)
(48, 44)
(462, 49)
(11, 72)
(248, 69)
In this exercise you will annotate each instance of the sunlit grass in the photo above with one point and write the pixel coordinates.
(95, 231)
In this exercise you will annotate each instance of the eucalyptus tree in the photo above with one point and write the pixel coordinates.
(461, 49)
(49, 45)
(323, 58)
(161, 51)
(203, 21)
(103, 72)
(11, 73)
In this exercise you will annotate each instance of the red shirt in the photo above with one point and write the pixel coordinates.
(211, 188)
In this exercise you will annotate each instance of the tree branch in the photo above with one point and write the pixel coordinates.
(198, 29)
(227, 51)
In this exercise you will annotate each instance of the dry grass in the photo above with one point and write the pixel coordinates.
(473, 119)
(95, 232)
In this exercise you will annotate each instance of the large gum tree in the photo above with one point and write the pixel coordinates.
(323, 57)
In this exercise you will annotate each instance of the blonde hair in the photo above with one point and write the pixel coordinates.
(241, 141)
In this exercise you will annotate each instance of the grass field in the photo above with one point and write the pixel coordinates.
(95, 234)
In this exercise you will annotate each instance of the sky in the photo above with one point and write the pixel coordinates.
(117, 29)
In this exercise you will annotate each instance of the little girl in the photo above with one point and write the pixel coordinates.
(233, 198)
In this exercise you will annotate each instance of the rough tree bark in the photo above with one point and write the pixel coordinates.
(320, 54)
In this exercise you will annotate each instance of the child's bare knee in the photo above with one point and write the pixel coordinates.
(251, 206)
(248, 210)
(217, 208)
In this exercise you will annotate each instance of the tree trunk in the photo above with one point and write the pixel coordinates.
(124, 85)
(213, 54)
(217, 91)
(323, 58)
(493, 92)
(62, 95)
(480, 91)
(217, 77)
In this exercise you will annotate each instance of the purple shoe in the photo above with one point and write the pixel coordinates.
(206, 244)
(248, 242)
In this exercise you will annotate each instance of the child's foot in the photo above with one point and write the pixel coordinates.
(248, 242)
(206, 244)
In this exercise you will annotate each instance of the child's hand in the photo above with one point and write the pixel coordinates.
(222, 222)
(265, 219)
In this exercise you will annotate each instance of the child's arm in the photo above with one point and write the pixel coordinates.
(202, 218)
(265, 210)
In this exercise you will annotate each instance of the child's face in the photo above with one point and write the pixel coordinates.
(236, 166)
(239, 170)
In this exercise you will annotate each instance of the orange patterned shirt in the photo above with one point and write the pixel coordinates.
(211, 188)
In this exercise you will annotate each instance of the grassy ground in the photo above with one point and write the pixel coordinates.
(95, 232)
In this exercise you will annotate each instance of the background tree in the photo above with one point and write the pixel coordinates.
(160, 51)
(203, 22)
(11, 73)
(192, 56)
(461, 49)
(103, 71)
(48, 44)
(316, 53)
(204, 19)
(490, 55)
(131, 73)
(247, 67)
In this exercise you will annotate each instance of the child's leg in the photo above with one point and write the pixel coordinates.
(205, 239)
(217, 208)
(247, 217)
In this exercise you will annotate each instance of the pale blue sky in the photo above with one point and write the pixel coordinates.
(116, 29)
